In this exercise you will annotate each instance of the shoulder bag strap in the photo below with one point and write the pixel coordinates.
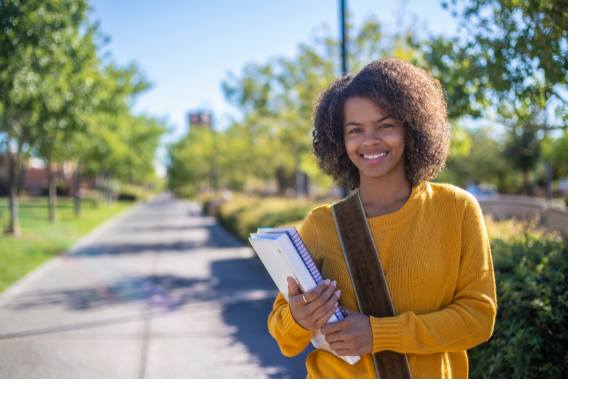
(367, 277)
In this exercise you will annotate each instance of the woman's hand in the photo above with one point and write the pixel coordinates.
(350, 337)
(312, 309)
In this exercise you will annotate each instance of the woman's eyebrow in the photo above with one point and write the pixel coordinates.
(351, 123)
(387, 117)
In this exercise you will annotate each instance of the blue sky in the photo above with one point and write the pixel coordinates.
(186, 47)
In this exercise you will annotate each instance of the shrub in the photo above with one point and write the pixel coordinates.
(530, 337)
(243, 214)
(211, 201)
(185, 192)
(128, 192)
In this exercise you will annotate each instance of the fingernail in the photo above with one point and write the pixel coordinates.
(338, 293)
(327, 281)
(334, 283)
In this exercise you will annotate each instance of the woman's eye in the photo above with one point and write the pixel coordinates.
(387, 125)
(354, 131)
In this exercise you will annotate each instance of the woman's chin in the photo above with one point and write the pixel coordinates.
(374, 174)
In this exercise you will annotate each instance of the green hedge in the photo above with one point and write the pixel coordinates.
(243, 214)
(128, 192)
(530, 336)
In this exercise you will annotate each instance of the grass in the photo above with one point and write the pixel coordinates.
(40, 240)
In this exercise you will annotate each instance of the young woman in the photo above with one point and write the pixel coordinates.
(385, 132)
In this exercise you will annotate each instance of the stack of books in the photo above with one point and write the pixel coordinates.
(284, 254)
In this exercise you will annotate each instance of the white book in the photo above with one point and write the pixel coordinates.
(284, 254)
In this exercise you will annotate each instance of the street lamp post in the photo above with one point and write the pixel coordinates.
(343, 36)
(344, 190)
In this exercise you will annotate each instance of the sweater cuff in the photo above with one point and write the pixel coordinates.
(385, 333)
(291, 327)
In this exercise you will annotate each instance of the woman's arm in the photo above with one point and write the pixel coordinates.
(468, 320)
(289, 335)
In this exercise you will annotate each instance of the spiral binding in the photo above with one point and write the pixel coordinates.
(294, 236)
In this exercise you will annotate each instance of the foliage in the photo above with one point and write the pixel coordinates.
(508, 62)
(513, 51)
(130, 192)
(555, 152)
(62, 101)
(195, 161)
(243, 214)
(530, 339)
(484, 162)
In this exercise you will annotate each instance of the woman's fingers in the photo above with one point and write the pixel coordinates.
(324, 312)
(317, 304)
(312, 309)
(341, 348)
(294, 293)
(293, 288)
(314, 294)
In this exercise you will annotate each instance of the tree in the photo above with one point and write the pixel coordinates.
(555, 152)
(195, 162)
(32, 42)
(477, 156)
(508, 62)
(60, 102)
(118, 144)
(67, 100)
(514, 50)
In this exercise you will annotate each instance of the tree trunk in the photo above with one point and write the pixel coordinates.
(14, 227)
(549, 177)
(51, 193)
(299, 181)
(109, 188)
(77, 195)
(527, 183)
(279, 177)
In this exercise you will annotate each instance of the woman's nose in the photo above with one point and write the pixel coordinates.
(370, 136)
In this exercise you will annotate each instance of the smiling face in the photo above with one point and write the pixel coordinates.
(374, 141)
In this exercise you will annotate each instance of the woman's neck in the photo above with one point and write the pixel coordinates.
(380, 195)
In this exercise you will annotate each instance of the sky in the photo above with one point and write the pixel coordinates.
(187, 47)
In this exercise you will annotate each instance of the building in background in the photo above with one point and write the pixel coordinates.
(33, 177)
(200, 119)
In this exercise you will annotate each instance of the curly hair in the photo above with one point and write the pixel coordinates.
(402, 91)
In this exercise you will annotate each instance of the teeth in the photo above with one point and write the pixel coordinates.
(374, 156)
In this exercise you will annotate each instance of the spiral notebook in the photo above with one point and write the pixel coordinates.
(284, 254)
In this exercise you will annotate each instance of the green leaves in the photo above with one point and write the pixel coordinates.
(531, 334)
(508, 53)
(60, 98)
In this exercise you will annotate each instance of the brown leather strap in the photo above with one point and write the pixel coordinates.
(367, 276)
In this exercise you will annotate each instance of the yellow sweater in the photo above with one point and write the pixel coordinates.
(436, 257)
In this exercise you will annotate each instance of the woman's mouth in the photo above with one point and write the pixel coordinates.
(375, 157)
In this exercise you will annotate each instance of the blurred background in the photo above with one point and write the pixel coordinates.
(204, 110)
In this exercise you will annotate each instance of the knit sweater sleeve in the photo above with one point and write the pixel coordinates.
(292, 338)
(469, 320)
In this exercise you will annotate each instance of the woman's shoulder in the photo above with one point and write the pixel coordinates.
(466, 207)
(320, 214)
(317, 226)
(444, 191)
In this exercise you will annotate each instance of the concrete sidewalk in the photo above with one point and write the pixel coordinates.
(158, 292)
